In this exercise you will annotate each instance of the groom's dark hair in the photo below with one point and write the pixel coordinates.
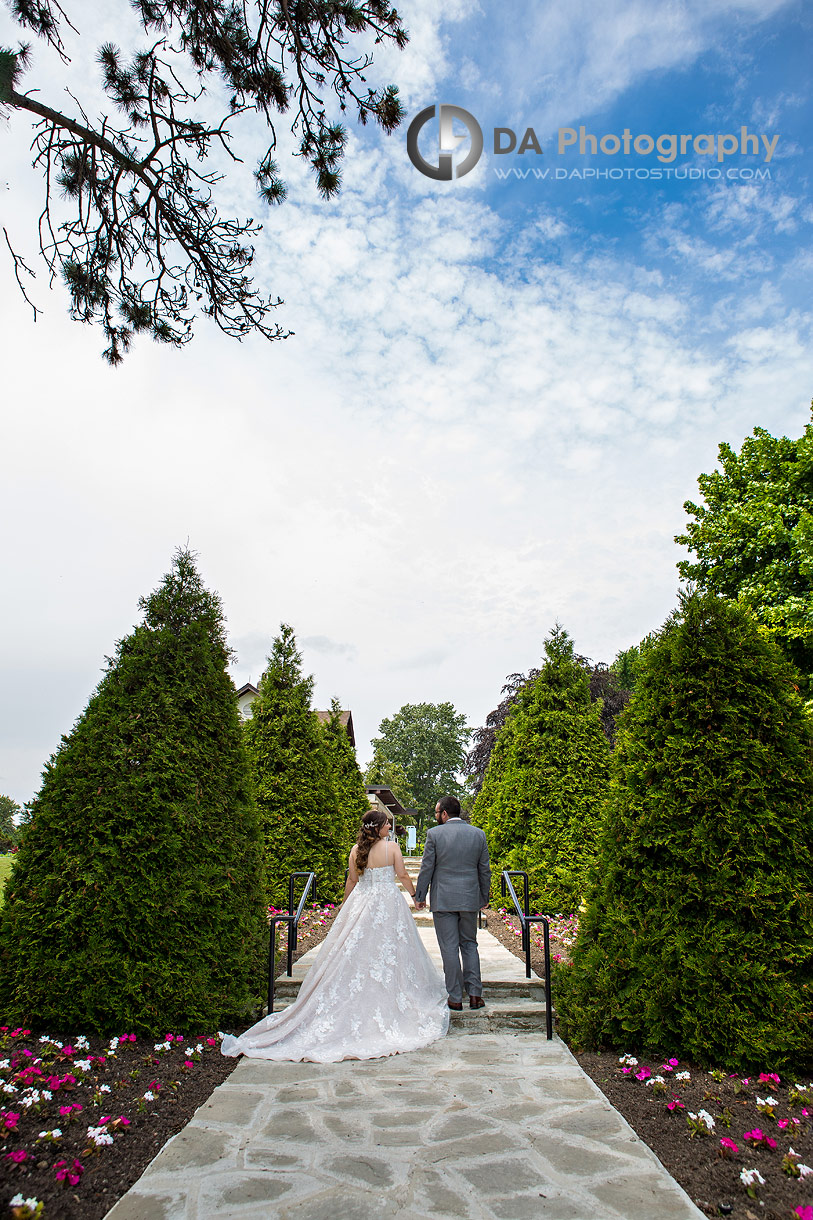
(450, 805)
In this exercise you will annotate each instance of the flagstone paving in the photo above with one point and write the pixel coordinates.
(497, 1125)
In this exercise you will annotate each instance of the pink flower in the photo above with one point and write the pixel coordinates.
(626, 1071)
(643, 1074)
(804, 1113)
(17, 1157)
(125, 1122)
(64, 1111)
(728, 1145)
(72, 1173)
(804, 1212)
(756, 1135)
(765, 1077)
(675, 1104)
(746, 1080)
(673, 1063)
(188, 1063)
(11, 1120)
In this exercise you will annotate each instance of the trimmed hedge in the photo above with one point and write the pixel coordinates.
(540, 803)
(135, 900)
(302, 825)
(698, 937)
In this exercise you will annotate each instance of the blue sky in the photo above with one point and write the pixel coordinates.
(496, 399)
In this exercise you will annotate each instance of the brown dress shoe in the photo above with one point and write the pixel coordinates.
(476, 1001)
(455, 1005)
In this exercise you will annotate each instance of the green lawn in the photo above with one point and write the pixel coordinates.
(5, 869)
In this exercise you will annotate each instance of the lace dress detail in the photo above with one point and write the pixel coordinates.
(372, 990)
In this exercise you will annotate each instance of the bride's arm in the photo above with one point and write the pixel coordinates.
(352, 875)
(400, 870)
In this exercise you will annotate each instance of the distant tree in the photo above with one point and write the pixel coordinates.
(130, 220)
(627, 664)
(382, 771)
(699, 928)
(135, 900)
(428, 741)
(9, 810)
(540, 804)
(303, 827)
(345, 775)
(753, 538)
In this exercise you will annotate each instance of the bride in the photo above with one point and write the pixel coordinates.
(372, 989)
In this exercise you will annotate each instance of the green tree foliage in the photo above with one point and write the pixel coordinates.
(541, 799)
(345, 775)
(9, 810)
(627, 664)
(388, 774)
(428, 742)
(130, 220)
(135, 901)
(698, 938)
(753, 538)
(302, 823)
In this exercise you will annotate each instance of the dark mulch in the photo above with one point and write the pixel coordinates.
(707, 1171)
(106, 1094)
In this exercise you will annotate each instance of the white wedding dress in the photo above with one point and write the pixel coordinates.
(372, 990)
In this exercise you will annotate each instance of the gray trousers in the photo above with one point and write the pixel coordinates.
(457, 937)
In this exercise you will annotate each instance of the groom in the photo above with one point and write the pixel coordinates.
(455, 865)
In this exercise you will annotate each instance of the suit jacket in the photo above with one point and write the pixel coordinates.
(455, 867)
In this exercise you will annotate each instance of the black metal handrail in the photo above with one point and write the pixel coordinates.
(291, 917)
(525, 921)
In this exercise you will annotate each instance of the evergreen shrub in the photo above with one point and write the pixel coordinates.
(302, 825)
(345, 775)
(135, 900)
(540, 803)
(698, 938)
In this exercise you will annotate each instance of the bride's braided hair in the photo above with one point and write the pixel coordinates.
(367, 836)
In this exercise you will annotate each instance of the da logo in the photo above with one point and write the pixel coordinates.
(444, 171)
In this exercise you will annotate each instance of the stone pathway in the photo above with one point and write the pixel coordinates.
(498, 1125)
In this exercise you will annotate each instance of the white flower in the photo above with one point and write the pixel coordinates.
(17, 1201)
(804, 1170)
(801, 1087)
(703, 1116)
(655, 1080)
(163, 1046)
(82, 1043)
(114, 1042)
(104, 1088)
(199, 1049)
(9, 1088)
(629, 1060)
(100, 1136)
(682, 1076)
(82, 1065)
(45, 1038)
(149, 1096)
(55, 1134)
(189, 1052)
(749, 1176)
(46, 1094)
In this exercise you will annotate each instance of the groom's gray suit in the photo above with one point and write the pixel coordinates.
(456, 871)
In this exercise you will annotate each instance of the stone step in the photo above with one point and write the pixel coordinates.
(502, 1014)
(502, 989)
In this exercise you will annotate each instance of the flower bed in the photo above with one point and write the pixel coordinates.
(739, 1146)
(82, 1117)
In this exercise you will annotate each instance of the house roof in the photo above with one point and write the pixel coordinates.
(345, 719)
(248, 689)
(387, 797)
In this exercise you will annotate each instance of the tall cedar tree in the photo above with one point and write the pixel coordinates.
(302, 824)
(345, 775)
(135, 901)
(698, 937)
(541, 799)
